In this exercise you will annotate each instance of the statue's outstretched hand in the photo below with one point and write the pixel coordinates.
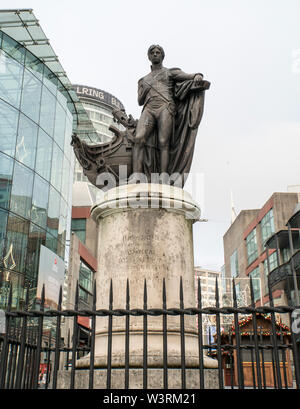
(198, 78)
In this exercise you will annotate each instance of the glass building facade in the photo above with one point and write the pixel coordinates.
(36, 167)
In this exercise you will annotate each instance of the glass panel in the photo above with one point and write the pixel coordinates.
(59, 129)
(62, 96)
(78, 226)
(40, 202)
(267, 226)
(11, 76)
(57, 167)
(51, 242)
(36, 237)
(31, 96)
(8, 278)
(8, 128)
(16, 244)
(251, 244)
(53, 212)
(21, 192)
(68, 133)
(65, 179)
(44, 155)
(14, 49)
(256, 281)
(85, 277)
(62, 221)
(234, 266)
(50, 80)
(6, 171)
(60, 249)
(34, 65)
(26, 142)
(47, 111)
(3, 221)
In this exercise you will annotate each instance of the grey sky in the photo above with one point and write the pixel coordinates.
(249, 137)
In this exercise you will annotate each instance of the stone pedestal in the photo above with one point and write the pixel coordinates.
(145, 232)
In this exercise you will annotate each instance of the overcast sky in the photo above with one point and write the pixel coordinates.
(249, 139)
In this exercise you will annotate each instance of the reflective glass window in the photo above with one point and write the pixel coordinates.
(36, 238)
(234, 265)
(11, 76)
(53, 212)
(62, 96)
(59, 128)
(273, 264)
(44, 155)
(251, 245)
(34, 65)
(50, 80)
(40, 201)
(68, 133)
(8, 128)
(267, 226)
(16, 243)
(78, 226)
(57, 167)
(26, 141)
(47, 111)
(21, 192)
(3, 221)
(13, 48)
(65, 178)
(62, 221)
(31, 96)
(86, 277)
(256, 281)
(60, 249)
(51, 242)
(6, 171)
(16, 280)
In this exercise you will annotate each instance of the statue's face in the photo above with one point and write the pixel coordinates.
(155, 56)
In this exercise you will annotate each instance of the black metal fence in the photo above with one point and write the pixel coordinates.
(33, 355)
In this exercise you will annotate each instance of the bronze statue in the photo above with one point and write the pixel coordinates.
(162, 140)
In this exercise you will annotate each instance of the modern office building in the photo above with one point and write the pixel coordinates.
(99, 106)
(208, 280)
(38, 113)
(245, 248)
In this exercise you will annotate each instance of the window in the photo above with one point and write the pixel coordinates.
(86, 277)
(256, 282)
(26, 142)
(78, 226)
(234, 265)
(31, 96)
(8, 128)
(267, 226)
(273, 264)
(6, 171)
(21, 191)
(251, 245)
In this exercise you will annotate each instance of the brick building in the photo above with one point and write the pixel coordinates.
(245, 251)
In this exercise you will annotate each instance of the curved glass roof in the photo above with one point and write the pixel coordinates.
(22, 26)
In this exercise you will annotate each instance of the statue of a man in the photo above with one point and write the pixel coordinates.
(156, 92)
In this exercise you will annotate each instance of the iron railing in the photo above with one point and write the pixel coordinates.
(257, 358)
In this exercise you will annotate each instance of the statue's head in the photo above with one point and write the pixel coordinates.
(156, 53)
